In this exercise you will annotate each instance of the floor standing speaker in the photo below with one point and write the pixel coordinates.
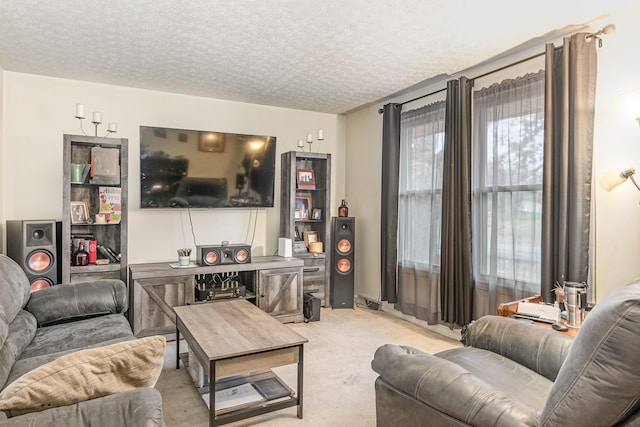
(342, 262)
(32, 244)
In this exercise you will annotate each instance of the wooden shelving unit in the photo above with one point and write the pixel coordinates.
(77, 150)
(316, 266)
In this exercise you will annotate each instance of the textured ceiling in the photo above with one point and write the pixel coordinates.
(330, 56)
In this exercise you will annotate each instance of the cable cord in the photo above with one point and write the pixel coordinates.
(246, 234)
(193, 234)
(255, 222)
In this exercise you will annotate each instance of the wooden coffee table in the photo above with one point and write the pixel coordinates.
(236, 337)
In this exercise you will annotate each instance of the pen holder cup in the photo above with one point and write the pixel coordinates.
(183, 260)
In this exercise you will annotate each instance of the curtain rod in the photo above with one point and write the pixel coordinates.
(606, 30)
(513, 64)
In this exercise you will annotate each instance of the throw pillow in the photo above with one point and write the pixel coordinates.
(86, 374)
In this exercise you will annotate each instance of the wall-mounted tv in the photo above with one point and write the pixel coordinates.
(181, 168)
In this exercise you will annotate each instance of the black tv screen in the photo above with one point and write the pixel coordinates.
(182, 168)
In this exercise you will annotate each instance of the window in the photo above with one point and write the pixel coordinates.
(420, 195)
(507, 209)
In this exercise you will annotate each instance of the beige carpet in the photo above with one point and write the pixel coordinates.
(338, 379)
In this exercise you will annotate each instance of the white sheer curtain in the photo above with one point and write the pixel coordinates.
(507, 185)
(420, 210)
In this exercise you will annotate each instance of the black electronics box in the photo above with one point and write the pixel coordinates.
(311, 308)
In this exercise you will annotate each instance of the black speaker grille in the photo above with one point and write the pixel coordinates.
(342, 262)
(33, 244)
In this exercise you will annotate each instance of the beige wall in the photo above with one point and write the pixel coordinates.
(617, 144)
(39, 110)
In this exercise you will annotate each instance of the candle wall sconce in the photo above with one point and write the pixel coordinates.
(310, 140)
(96, 120)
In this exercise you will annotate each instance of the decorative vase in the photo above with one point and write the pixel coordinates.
(343, 210)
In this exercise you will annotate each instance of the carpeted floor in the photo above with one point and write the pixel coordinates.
(338, 379)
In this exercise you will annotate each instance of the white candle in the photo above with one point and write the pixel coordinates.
(113, 127)
(300, 143)
(97, 117)
(320, 134)
(309, 137)
(80, 111)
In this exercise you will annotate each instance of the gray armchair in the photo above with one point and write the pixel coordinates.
(511, 373)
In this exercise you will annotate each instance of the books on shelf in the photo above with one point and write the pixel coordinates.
(108, 253)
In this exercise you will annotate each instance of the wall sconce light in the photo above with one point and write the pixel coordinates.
(96, 120)
(310, 140)
(612, 178)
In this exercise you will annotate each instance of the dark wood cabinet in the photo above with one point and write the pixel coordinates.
(279, 293)
(293, 224)
(99, 178)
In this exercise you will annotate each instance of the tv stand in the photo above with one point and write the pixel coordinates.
(272, 283)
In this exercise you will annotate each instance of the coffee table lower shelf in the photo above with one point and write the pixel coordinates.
(257, 393)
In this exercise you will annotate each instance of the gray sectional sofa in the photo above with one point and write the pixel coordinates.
(40, 327)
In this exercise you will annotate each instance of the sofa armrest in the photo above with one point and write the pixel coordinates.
(62, 303)
(539, 349)
(133, 408)
(449, 388)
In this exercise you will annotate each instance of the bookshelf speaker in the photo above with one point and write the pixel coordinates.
(342, 262)
(32, 244)
(223, 254)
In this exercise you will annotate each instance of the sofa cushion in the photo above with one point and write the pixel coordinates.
(85, 375)
(23, 366)
(514, 379)
(66, 303)
(449, 388)
(77, 335)
(141, 407)
(21, 332)
(15, 293)
(602, 361)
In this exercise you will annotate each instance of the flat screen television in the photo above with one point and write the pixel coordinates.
(181, 168)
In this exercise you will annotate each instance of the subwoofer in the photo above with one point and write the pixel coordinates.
(342, 262)
(32, 244)
(223, 254)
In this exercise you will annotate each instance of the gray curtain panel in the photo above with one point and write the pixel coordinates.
(570, 88)
(508, 151)
(456, 272)
(420, 211)
(389, 202)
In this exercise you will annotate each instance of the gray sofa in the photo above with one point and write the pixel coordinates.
(511, 373)
(40, 327)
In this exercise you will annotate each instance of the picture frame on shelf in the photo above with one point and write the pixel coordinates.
(299, 247)
(297, 214)
(303, 204)
(79, 212)
(306, 179)
(316, 213)
(310, 237)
